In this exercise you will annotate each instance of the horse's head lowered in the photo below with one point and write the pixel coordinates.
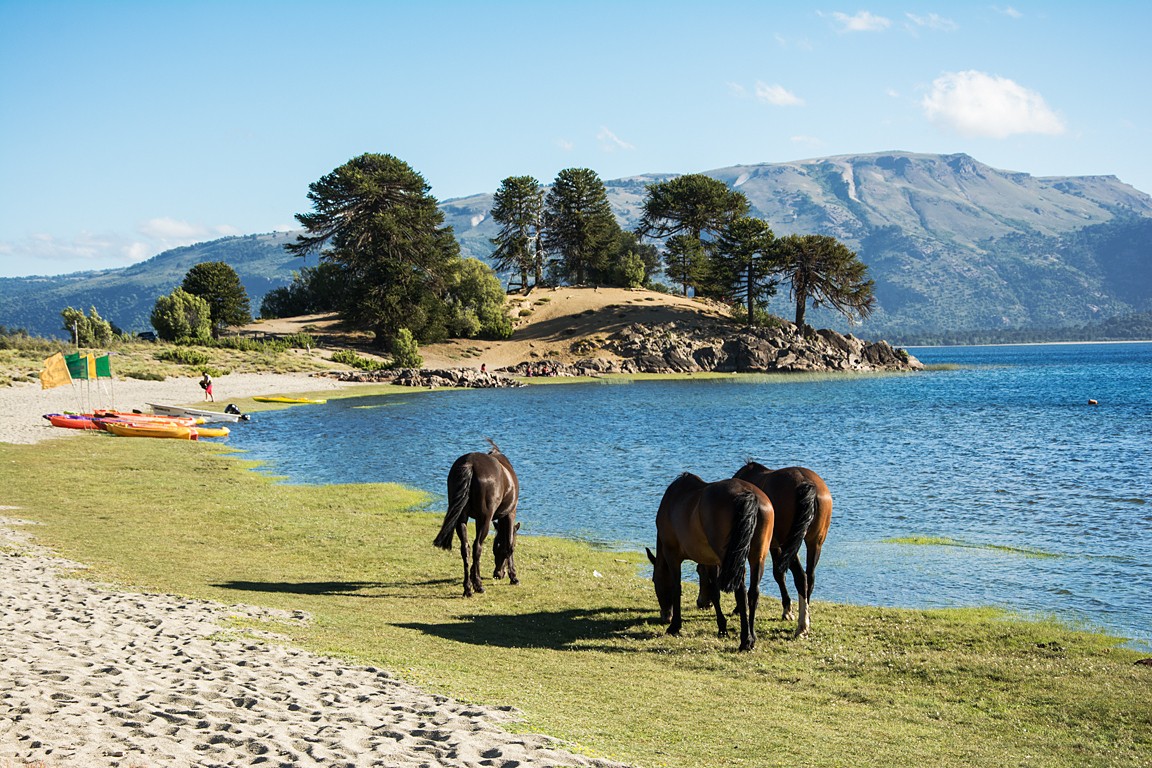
(503, 545)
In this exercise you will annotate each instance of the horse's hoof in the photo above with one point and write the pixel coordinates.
(746, 647)
(787, 616)
(722, 633)
(513, 581)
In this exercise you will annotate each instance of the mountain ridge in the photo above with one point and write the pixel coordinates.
(952, 243)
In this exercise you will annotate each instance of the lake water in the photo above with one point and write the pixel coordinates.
(1045, 499)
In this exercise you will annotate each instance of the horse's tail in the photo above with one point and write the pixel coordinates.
(739, 540)
(802, 517)
(459, 486)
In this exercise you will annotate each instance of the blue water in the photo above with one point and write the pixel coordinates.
(998, 450)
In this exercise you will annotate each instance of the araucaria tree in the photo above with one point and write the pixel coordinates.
(745, 258)
(579, 225)
(374, 217)
(693, 206)
(824, 270)
(518, 207)
(218, 284)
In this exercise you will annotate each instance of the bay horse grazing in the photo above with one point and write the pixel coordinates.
(484, 487)
(803, 507)
(721, 526)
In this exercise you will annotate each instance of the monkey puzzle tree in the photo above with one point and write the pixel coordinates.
(694, 206)
(518, 207)
(745, 259)
(579, 224)
(824, 270)
(374, 217)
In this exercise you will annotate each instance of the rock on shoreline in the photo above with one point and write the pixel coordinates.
(681, 347)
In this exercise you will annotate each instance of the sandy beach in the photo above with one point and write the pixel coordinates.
(92, 675)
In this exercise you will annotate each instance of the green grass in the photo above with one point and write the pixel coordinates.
(581, 654)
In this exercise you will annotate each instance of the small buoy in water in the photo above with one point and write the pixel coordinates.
(1092, 402)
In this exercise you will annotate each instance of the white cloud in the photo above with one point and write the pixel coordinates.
(978, 104)
(777, 95)
(565, 145)
(45, 254)
(1009, 11)
(933, 21)
(861, 21)
(737, 90)
(610, 142)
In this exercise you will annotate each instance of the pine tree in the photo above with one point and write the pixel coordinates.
(374, 217)
(579, 224)
(824, 270)
(518, 207)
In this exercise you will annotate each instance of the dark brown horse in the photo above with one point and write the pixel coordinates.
(803, 507)
(484, 487)
(721, 526)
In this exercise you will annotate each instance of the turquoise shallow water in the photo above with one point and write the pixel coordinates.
(1046, 500)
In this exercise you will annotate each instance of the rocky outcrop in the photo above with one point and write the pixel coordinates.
(679, 347)
(430, 379)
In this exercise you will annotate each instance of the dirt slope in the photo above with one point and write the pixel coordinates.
(563, 324)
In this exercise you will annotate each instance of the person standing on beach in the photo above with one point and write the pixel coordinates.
(206, 385)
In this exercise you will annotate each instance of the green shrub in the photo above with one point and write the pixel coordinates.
(299, 341)
(405, 350)
(183, 356)
(350, 358)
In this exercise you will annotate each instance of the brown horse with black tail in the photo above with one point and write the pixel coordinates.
(721, 526)
(803, 507)
(484, 487)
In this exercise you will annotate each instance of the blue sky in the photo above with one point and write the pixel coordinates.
(127, 128)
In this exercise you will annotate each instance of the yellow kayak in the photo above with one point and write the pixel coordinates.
(202, 431)
(175, 431)
(291, 400)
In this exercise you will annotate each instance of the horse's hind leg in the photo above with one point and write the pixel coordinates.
(747, 638)
(477, 551)
(778, 573)
(802, 592)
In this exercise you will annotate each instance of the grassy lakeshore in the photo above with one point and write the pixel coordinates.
(576, 647)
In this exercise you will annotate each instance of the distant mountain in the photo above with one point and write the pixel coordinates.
(951, 243)
(126, 296)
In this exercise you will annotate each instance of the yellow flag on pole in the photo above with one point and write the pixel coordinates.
(55, 372)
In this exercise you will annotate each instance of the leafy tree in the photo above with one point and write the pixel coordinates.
(630, 263)
(478, 303)
(217, 283)
(322, 288)
(89, 330)
(824, 270)
(685, 261)
(405, 350)
(182, 316)
(745, 256)
(694, 206)
(518, 207)
(375, 218)
(579, 224)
